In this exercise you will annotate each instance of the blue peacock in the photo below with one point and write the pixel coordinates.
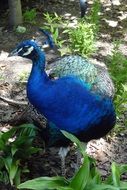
(83, 6)
(79, 100)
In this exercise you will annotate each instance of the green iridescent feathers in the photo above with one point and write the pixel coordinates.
(95, 75)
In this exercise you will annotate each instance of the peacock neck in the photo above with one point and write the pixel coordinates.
(38, 66)
(39, 60)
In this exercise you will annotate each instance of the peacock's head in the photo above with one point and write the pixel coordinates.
(48, 42)
(28, 49)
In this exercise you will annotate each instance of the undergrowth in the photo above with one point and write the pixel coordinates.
(30, 16)
(79, 39)
(15, 148)
(80, 36)
(117, 63)
(86, 178)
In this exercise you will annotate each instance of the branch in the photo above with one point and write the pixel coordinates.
(13, 102)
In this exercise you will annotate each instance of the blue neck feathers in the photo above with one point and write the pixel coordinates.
(38, 59)
(37, 77)
(38, 67)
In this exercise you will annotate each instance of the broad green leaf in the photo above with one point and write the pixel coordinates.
(2, 144)
(115, 174)
(17, 177)
(12, 167)
(65, 188)
(82, 176)
(27, 126)
(43, 183)
(104, 187)
(96, 179)
(8, 162)
(74, 139)
(13, 150)
(13, 171)
(123, 185)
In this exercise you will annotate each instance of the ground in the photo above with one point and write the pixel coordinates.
(104, 150)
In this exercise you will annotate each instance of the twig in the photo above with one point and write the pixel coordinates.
(13, 102)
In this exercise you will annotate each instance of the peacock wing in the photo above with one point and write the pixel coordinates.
(95, 75)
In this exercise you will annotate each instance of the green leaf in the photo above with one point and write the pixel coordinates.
(12, 167)
(13, 150)
(17, 177)
(13, 171)
(123, 185)
(74, 139)
(115, 174)
(8, 162)
(124, 87)
(104, 187)
(43, 183)
(65, 188)
(82, 176)
(56, 33)
(2, 145)
(123, 168)
(27, 129)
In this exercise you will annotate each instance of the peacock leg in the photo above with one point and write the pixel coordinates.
(63, 153)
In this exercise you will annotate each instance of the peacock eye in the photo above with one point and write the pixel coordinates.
(25, 49)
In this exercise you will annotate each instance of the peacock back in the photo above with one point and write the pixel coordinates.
(95, 75)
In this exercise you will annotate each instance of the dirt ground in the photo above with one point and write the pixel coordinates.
(104, 150)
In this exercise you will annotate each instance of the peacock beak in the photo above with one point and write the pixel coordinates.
(13, 53)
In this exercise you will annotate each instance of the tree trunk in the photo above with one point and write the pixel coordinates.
(15, 12)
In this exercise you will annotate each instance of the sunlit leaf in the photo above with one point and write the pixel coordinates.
(43, 183)
(82, 176)
(74, 139)
(115, 175)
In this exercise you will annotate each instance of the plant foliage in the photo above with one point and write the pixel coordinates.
(118, 68)
(30, 15)
(86, 178)
(15, 146)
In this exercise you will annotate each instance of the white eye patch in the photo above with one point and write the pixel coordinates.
(19, 50)
(29, 50)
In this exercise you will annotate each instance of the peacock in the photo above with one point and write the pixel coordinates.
(76, 102)
(83, 7)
